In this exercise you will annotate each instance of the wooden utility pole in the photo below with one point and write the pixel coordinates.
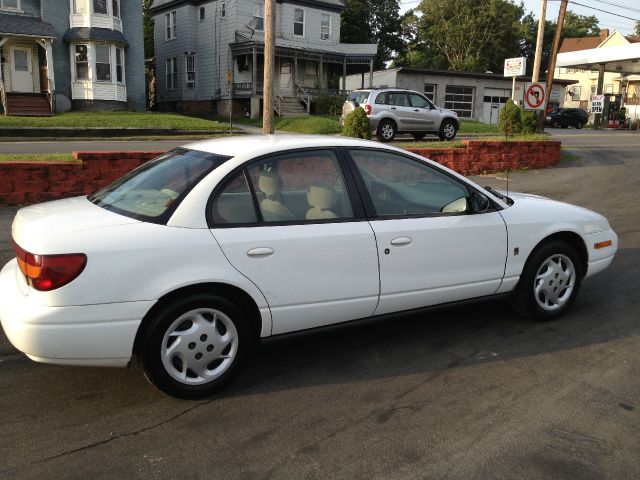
(539, 41)
(556, 47)
(269, 63)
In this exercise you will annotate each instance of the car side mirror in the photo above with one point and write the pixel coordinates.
(479, 203)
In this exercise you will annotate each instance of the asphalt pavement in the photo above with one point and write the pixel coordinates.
(463, 393)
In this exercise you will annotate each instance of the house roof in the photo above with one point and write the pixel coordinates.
(27, 26)
(458, 73)
(100, 34)
(341, 50)
(587, 43)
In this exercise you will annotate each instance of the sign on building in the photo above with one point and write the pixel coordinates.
(597, 103)
(534, 96)
(515, 67)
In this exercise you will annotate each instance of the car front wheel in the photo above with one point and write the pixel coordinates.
(550, 282)
(447, 130)
(386, 131)
(194, 345)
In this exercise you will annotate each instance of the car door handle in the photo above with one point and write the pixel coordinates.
(416, 109)
(260, 252)
(400, 241)
(393, 108)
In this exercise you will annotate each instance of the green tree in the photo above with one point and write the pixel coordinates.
(373, 21)
(357, 125)
(510, 120)
(148, 29)
(637, 32)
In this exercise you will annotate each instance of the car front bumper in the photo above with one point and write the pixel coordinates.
(601, 258)
(90, 335)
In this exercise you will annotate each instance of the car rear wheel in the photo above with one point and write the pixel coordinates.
(194, 346)
(418, 135)
(386, 131)
(447, 130)
(550, 282)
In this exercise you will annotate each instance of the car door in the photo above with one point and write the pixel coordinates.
(397, 106)
(432, 249)
(289, 223)
(422, 116)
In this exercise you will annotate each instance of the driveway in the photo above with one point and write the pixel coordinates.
(463, 393)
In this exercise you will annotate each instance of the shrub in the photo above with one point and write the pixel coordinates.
(327, 104)
(510, 122)
(529, 122)
(357, 125)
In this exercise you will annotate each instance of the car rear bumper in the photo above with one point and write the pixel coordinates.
(91, 335)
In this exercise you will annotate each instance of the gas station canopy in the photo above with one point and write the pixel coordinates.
(623, 59)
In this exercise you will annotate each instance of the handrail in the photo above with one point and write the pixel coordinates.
(304, 96)
(3, 98)
(278, 103)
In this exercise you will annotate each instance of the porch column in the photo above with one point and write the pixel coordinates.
(344, 75)
(295, 71)
(371, 73)
(254, 71)
(321, 85)
(2, 42)
(50, 70)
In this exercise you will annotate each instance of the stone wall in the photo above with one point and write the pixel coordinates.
(24, 183)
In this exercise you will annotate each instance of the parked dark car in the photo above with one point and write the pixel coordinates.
(565, 117)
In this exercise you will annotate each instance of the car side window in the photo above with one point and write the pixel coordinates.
(381, 99)
(300, 186)
(418, 101)
(295, 187)
(398, 99)
(399, 186)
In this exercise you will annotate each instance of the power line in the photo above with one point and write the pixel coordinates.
(603, 11)
(619, 6)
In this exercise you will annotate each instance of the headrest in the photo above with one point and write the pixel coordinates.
(321, 196)
(270, 183)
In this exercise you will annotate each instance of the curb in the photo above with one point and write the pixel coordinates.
(105, 132)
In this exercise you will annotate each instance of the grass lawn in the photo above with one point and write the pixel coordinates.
(474, 126)
(171, 121)
(37, 157)
(312, 124)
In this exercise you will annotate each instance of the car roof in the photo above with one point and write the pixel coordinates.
(243, 146)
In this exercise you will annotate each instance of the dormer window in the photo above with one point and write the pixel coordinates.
(13, 5)
(100, 7)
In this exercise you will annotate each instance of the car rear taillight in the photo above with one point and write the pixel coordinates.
(48, 272)
(367, 109)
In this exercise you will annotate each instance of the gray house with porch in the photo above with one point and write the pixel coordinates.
(87, 54)
(210, 54)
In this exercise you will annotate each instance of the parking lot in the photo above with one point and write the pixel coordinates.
(470, 392)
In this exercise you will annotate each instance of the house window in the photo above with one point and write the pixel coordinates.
(80, 6)
(202, 13)
(103, 63)
(223, 12)
(115, 8)
(298, 22)
(170, 25)
(100, 6)
(258, 15)
(430, 91)
(325, 27)
(459, 99)
(593, 90)
(608, 88)
(119, 70)
(172, 73)
(10, 4)
(191, 71)
(82, 63)
(574, 94)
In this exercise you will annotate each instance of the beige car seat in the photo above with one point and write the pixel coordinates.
(273, 210)
(321, 198)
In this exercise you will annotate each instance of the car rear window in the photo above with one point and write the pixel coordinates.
(359, 97)
(154, 190)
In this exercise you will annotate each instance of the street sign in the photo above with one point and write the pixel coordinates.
(596, 103)
(534, 96)
(515, 67)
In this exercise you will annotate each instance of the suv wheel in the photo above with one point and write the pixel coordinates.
(447, 130)
(386, 131)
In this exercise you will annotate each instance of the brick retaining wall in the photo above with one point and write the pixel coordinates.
(23, 183)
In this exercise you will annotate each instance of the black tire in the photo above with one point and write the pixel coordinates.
(418, 135)
(529, 295)
(579, 125)
(204, 349)
(566, 125)
(386, 131)
(448, 130)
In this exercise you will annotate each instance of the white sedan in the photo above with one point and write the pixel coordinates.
(190, 259)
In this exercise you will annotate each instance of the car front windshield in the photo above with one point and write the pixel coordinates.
(154, 190)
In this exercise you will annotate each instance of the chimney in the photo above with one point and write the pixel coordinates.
(604, 33)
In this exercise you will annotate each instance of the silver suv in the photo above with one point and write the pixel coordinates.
(395, 110)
